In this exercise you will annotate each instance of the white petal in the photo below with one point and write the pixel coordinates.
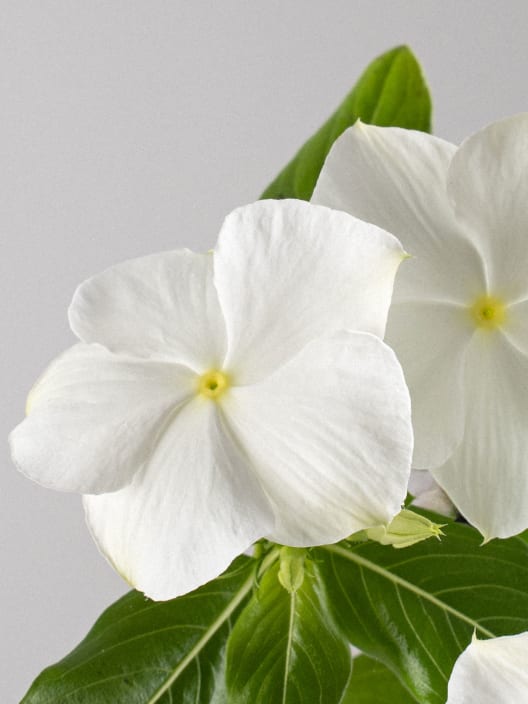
(329, 435)
(515, 327)
(488, 182)
(287, 272)
(428, 494)
(493, 671)
(92, 418)
(163, 306)
(195, 506)
(486, 476)
(397, 179)
(430, 340)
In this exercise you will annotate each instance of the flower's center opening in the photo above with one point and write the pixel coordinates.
(213, 383)
(488, 312)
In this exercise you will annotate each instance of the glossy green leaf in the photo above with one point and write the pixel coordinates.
(391, 92)
(416, 609)
(285, 647)
(373, 683)
(145, 652)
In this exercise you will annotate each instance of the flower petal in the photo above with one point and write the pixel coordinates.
(163, 306)
(195, 506)
(486, 476)
(491, 672)
(515, 327)
(288, 272)
(430, 339)
(488, 182)
(329, 435)
(92, 418)
(396, 179)
(428, 494)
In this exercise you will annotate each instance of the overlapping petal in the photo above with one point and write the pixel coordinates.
(397, 179)
(309, 439)
(462, 214)
(486, 476)
(516, 327)
(488, 184)
(93, 418)
(192, 509)
(329, 436)
(430, 339)
(493, 671)
(162, 306)
(288, 272)
(428, 494)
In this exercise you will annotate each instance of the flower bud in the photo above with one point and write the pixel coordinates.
(405, 529)
(291, 571)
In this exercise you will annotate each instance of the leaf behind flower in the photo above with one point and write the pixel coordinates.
(145, 652)
(392, 92)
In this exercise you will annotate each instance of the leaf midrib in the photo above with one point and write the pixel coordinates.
(397, 580)
(214, 627)
(289, 643)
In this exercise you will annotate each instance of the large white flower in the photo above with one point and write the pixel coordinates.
(459, 321)
(219, 398)
(491, 671)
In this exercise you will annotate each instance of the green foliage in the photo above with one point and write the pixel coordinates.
(373, 683)
(141, 651)
(391, 92)
(278, 630)
(416, 609)
(285, 647)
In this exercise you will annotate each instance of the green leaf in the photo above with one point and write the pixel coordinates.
(373, 683)
(145, 652)
(416, 609)
(285, 647)
(390, 93)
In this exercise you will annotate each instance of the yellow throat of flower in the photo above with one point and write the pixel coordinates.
(488, 312)
(213, 384)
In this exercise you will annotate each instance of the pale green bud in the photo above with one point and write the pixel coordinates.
(291, 570)
(405, 529)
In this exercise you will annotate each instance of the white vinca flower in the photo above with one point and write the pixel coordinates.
(428, 494)
(459, 319)
(218, 398)
(491, 671)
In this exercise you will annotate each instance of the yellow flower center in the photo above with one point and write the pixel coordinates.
(488, 312)
(213, 383)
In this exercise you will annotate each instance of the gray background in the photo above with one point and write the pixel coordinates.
(129, 127)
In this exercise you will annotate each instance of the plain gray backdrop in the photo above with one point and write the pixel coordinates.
(129, 127)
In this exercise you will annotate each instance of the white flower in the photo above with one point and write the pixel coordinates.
(428, 494)
(219, 398)
(491, 671)
(459, 320)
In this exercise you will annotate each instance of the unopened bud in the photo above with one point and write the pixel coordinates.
(405, 529)
(291, 571)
